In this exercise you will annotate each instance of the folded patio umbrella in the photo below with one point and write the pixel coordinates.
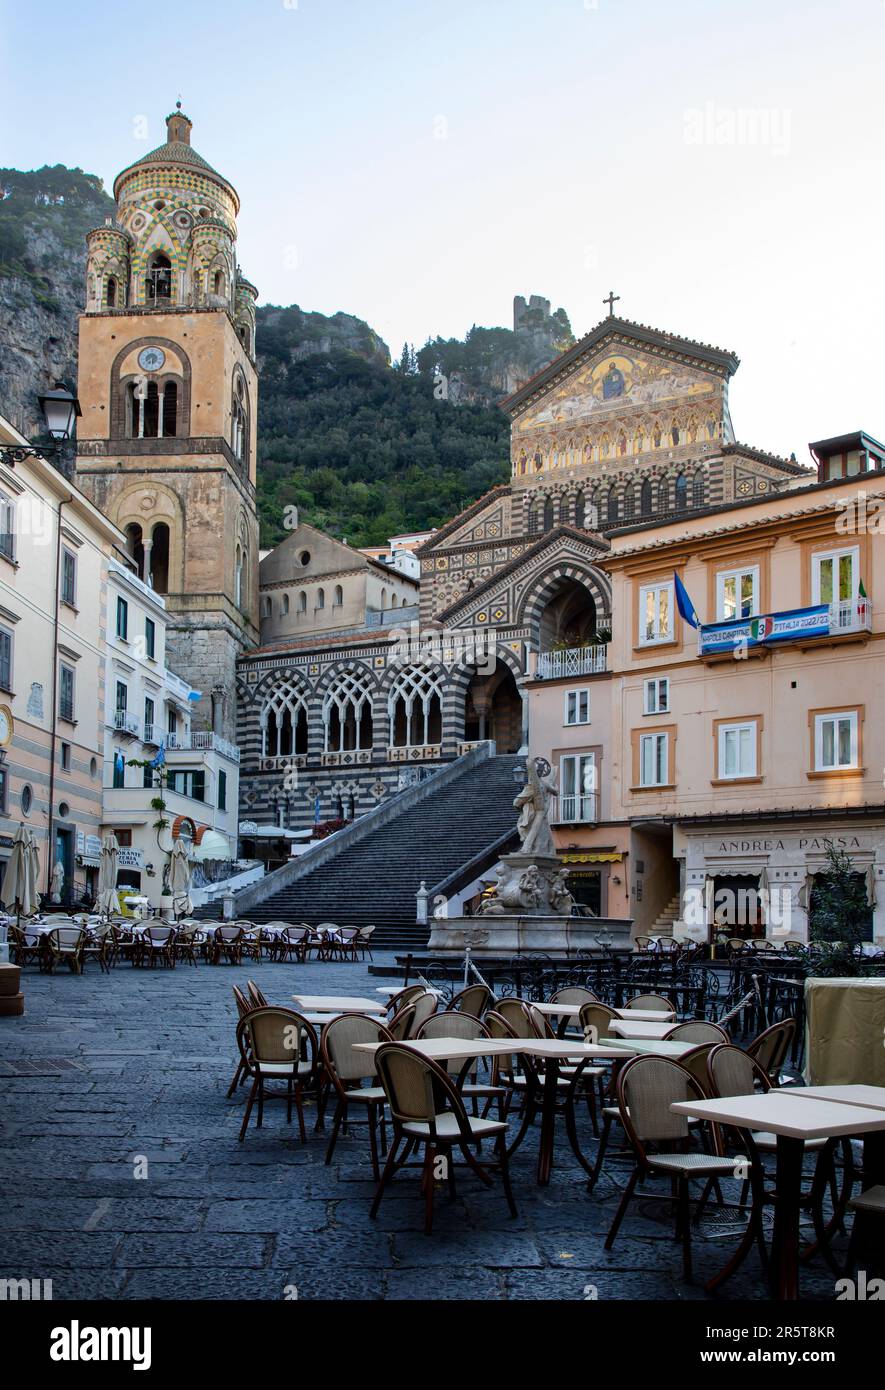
(107, 900)
(19, 891)
(180, 880)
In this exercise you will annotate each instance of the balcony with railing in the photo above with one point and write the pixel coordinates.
(579, 808)
(126, 723)
(573, 662)
(202, 740)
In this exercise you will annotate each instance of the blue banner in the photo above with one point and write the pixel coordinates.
(760, 631)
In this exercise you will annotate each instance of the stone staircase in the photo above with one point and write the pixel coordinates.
(443, 823)
(663, 923)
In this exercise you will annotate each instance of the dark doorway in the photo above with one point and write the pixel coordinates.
(493, 710)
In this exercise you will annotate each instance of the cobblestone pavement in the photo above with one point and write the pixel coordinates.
(216, 1219)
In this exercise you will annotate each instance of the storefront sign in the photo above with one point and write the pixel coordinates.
(129, 858)
(768, 628)
(805, 843)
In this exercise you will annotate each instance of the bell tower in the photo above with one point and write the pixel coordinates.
(169, 393)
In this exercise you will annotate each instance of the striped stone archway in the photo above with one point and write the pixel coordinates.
(543, 588)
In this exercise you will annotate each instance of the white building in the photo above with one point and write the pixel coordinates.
(149, 715)
(55, 548)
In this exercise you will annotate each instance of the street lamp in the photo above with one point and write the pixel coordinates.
(60, 409)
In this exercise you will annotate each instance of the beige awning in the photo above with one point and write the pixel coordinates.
(211, 845)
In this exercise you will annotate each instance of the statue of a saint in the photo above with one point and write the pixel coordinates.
(57, 881)
(533, 804)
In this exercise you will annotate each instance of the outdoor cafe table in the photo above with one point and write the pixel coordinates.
(793, 1118)
(336, 1004)
(554, 1010)
(626, 1028)
(551, 1050)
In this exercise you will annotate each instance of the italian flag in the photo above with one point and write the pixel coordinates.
(861, 597)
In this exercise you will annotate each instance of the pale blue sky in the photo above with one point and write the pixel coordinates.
(719, 164)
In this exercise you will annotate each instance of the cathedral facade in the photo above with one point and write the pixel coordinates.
(628, 426)
(168, 389)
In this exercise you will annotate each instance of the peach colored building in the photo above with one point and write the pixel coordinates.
(723, 758)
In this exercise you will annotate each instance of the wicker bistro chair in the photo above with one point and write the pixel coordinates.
(125, 944)
(364, 942)
(425, 1006)
(770, 1048)
(256, 995)
(647, 1087)
(228, 943)
(571, 994)
(405, 996)
(244, 1007)
(427, 1109)
(345, 948)
(733, 1072)
(186, 943)
(269, 934)
(597, 1017)
(697, 1031)
(325, 940)
(66, 943)
(473, 1000)
(272, 1044)
(523, 1076)
(293, 941)
(157, 943)
(400, 1026)
(27, 946)
(100, 946)
(651, 1001)
(347, 1069)
(458, 1024)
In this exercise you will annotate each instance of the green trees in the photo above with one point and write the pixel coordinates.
(839, 917)
(364, 451)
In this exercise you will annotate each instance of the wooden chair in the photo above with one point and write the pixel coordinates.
(427, 1110)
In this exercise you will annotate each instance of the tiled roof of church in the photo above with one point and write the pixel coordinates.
(494, 580)
(431, 543)
(654, 337)
(763, 456)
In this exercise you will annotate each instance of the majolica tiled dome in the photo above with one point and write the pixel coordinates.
(177, 150)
